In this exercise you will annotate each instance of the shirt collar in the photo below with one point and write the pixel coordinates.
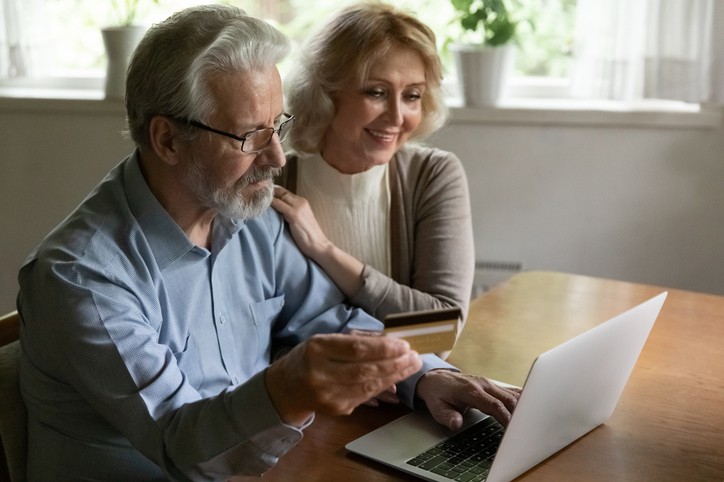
(166, 239)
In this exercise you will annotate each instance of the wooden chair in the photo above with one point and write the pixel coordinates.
(13, 417)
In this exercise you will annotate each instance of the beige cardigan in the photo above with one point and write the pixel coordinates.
(432, 249)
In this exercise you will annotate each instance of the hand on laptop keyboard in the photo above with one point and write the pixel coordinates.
(449, 394)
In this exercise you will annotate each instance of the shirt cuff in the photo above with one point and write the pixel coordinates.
(261, 420)
(406, 388)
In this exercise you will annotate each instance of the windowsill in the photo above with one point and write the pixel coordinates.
(47, 93)
(548, 112)
(562, 112)
(58, 101)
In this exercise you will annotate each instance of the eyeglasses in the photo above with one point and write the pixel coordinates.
(252, 141)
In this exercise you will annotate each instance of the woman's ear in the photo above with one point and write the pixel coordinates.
(164, 139)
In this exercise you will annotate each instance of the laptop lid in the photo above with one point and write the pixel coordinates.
(570, 390)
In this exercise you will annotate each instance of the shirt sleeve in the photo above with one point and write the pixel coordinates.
(102, 356)
(93, 344)
(93, 336)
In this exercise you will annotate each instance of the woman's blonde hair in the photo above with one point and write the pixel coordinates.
(344, 49)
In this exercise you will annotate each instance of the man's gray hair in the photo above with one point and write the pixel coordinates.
(171, 67)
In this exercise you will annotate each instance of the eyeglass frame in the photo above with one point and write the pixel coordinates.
(242, 138)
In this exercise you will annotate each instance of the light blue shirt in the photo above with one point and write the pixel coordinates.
(143, 354)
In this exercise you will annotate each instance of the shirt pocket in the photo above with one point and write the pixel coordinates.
(264, 314)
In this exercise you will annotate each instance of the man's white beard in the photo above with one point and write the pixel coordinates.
(233, 205)
(231, 202)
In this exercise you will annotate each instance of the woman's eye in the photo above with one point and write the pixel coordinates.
(375, 93)
(413, 96)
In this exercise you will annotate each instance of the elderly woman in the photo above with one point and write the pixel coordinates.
(387, 219)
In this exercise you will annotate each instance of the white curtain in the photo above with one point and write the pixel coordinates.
(638, 49)
(21, 38)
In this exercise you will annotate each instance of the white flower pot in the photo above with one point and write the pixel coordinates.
(482, 72)
(119, 43)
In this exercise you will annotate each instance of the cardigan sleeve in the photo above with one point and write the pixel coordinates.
(432, 238)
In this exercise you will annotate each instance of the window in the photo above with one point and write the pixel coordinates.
(67, 41)
(72, 45)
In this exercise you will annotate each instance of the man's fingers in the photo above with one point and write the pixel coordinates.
(370, 378)
(365, 333)
(339, 390)
(335, 373)
(509, 396)
(445, 414)
(357, 347)
(388, 372)
(446, 391)
(389, 395)
(494, 400)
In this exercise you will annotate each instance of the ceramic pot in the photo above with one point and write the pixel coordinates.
(483, 72)
(119, 43)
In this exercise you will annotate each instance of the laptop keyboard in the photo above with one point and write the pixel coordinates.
(465, 457)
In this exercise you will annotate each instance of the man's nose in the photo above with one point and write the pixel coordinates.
(273, 155)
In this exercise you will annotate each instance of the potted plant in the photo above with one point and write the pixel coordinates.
(484, 54)
(120, 40)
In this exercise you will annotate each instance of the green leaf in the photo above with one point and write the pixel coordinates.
(462, 5)
(501, 31)
(487, 18)
(469, 22)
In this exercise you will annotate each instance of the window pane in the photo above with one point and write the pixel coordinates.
(75, 44)
(545, 37)
(73, 35)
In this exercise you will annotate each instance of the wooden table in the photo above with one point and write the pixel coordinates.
(669, 424)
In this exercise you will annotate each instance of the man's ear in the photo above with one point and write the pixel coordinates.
(164, 139)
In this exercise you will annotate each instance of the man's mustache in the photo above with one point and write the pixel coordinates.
(262, 173)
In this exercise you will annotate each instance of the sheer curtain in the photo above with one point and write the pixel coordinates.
(21, 38)
(638, 49)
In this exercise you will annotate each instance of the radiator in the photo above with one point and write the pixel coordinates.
(490, 273)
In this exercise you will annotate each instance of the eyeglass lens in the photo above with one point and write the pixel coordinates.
(258, 140)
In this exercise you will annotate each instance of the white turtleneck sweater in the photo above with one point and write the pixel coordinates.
(352, 209)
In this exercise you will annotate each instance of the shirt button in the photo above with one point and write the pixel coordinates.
(222, 319)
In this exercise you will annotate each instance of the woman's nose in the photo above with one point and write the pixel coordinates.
(394, 112)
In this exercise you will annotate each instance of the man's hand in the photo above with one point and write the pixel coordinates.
(448, 395)
(335, 373)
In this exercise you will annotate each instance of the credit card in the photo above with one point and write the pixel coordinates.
(427, 331)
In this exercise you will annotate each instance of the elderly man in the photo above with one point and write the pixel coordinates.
(153, 315)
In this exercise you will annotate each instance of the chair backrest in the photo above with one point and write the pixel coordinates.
(13, 417)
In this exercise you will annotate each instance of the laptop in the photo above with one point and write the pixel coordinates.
(570, 390)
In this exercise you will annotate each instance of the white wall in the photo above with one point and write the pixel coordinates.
(635, 203)
(51, 155)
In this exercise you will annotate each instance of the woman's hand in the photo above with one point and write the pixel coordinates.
(344, 269)
(303, 225)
